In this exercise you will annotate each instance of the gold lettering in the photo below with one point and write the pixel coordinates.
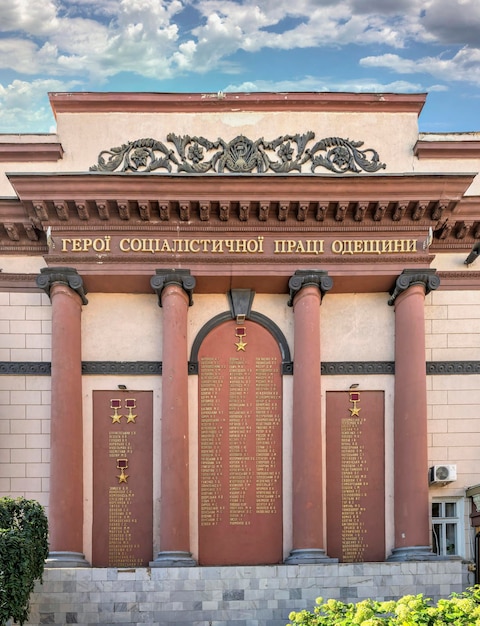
(217, 246)
(136, 245)
(337, 247)
(166, 246)
(76, 245)
(371, 246)
(65, 243)
(147, 245)
(125, 242)
(347, 247)
(314, 246)
(99, 245)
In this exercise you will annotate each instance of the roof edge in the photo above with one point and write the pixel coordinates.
(123, 102)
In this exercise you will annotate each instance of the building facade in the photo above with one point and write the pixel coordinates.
(242, 331)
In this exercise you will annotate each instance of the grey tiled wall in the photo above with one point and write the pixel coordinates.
(214, 596)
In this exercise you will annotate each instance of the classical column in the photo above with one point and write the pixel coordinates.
(65, 509)
(174, 289)
(411, 501)
(306, 291)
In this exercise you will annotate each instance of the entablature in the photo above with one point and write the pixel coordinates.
(141, 203)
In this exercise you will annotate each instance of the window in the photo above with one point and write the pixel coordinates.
(447, 527)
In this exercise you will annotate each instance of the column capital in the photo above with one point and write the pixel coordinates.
(65, 275)
(182, 278)
(426, 277)
(306, 278)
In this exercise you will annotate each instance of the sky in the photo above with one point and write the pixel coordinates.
(207, 46)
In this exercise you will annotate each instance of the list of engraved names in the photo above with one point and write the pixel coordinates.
(239, 462)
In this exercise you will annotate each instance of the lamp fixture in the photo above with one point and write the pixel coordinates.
(475, 251)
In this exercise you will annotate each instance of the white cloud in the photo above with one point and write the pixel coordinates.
(90, 41)
(102, 38)
(312, 83)
(25, 106)
(34, 18)
(463, 66)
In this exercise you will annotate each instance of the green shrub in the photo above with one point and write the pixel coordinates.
(461, 609)
(23, 550)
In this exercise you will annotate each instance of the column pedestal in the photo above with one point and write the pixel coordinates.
(411, 499)
(65, 511)
(307, 289)
(174, 291)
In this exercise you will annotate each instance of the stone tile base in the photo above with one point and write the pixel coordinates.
(214, 596)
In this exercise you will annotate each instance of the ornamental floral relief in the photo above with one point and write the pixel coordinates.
(198, 155)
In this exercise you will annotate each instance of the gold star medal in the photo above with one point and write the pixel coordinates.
(354, 398)
(116, 404)
(130, 404)
(122, 465)
(241, 332)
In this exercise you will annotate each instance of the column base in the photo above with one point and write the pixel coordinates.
(308, 556)
(66, 559)
(174, 558)
(414, 553)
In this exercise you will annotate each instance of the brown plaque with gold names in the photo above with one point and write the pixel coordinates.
(122, 478)
(355, 462)
(240, 446)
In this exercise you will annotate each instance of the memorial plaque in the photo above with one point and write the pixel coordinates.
(240, 446)
(355, 461)
(122, 478)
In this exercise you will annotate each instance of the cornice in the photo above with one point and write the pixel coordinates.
(96, 186)
(90, 102)
(18, 282)
(466, 280)
(30, 151)
(447, 149)
(146, 202)
(20, 231)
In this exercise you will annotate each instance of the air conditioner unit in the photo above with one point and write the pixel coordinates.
(442, 474)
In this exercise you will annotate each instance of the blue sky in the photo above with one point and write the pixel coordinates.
(405, 46)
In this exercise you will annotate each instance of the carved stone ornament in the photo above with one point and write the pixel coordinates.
(305, 278)
(182, 278)
(426, 277)
(198, 155)
(65, 275)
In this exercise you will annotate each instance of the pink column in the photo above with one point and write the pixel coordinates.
(411, 500)
(65, 509)
(307, 289)
(174, 290)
